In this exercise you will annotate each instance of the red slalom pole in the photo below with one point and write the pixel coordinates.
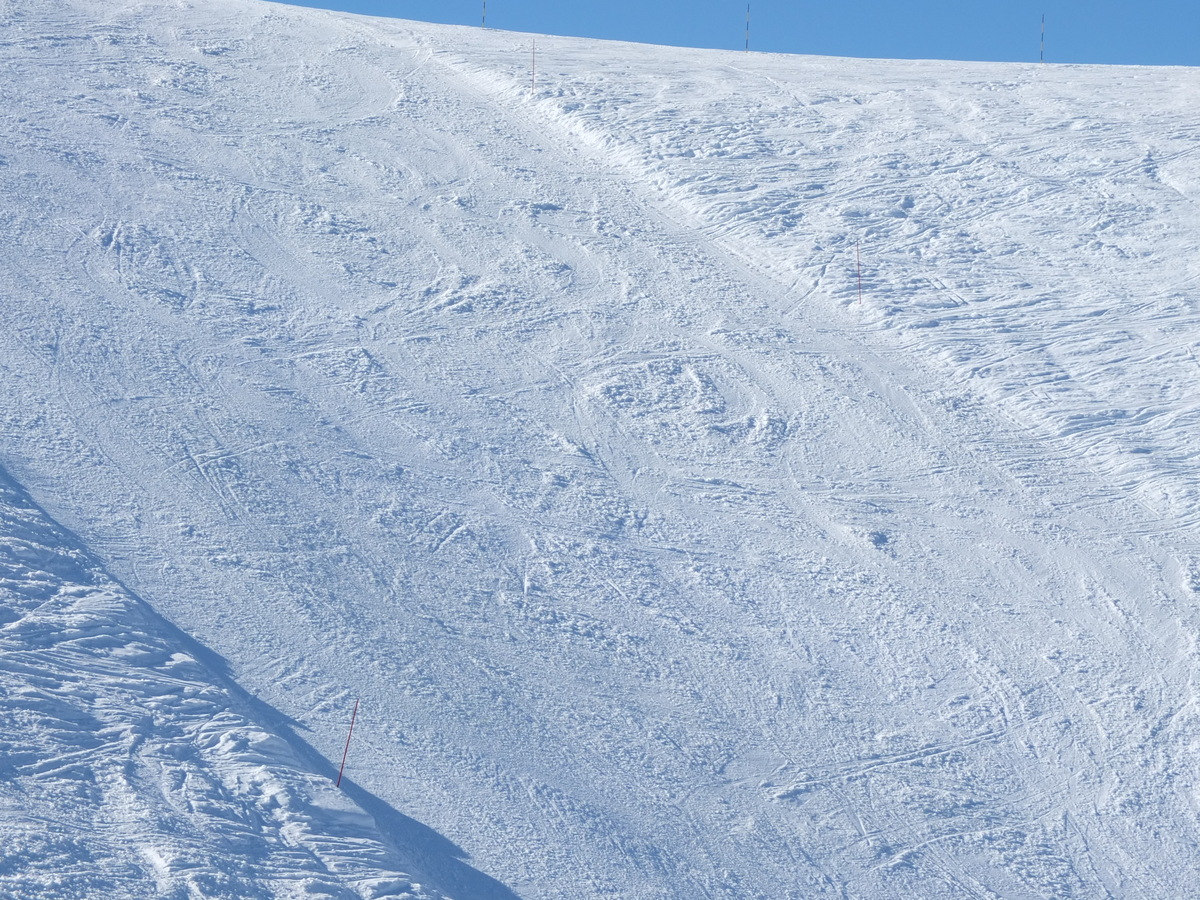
(346, 752)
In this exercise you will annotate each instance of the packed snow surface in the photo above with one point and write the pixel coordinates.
(715, 474)
(126, 757)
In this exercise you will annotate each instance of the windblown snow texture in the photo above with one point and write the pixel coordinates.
(131, 769)
(548, 423)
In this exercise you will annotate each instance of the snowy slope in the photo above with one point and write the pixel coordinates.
(132, 769)
(547, 421)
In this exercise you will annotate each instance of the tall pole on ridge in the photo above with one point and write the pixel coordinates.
(1042, 56)
(346, 752)
(747, 27)
(485, 13)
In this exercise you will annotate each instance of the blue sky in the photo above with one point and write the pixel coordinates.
(1150, 32)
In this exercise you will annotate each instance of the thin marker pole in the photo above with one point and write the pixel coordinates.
(858, 257)
(485, 13)
(747, 27)
(346, 752)
(1042, 55)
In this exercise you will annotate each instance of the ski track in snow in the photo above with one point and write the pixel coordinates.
(132, 769)
(548, 422)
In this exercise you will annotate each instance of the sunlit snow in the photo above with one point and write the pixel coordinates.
(714, 474)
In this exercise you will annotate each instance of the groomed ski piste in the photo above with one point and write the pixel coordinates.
(714, 475)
